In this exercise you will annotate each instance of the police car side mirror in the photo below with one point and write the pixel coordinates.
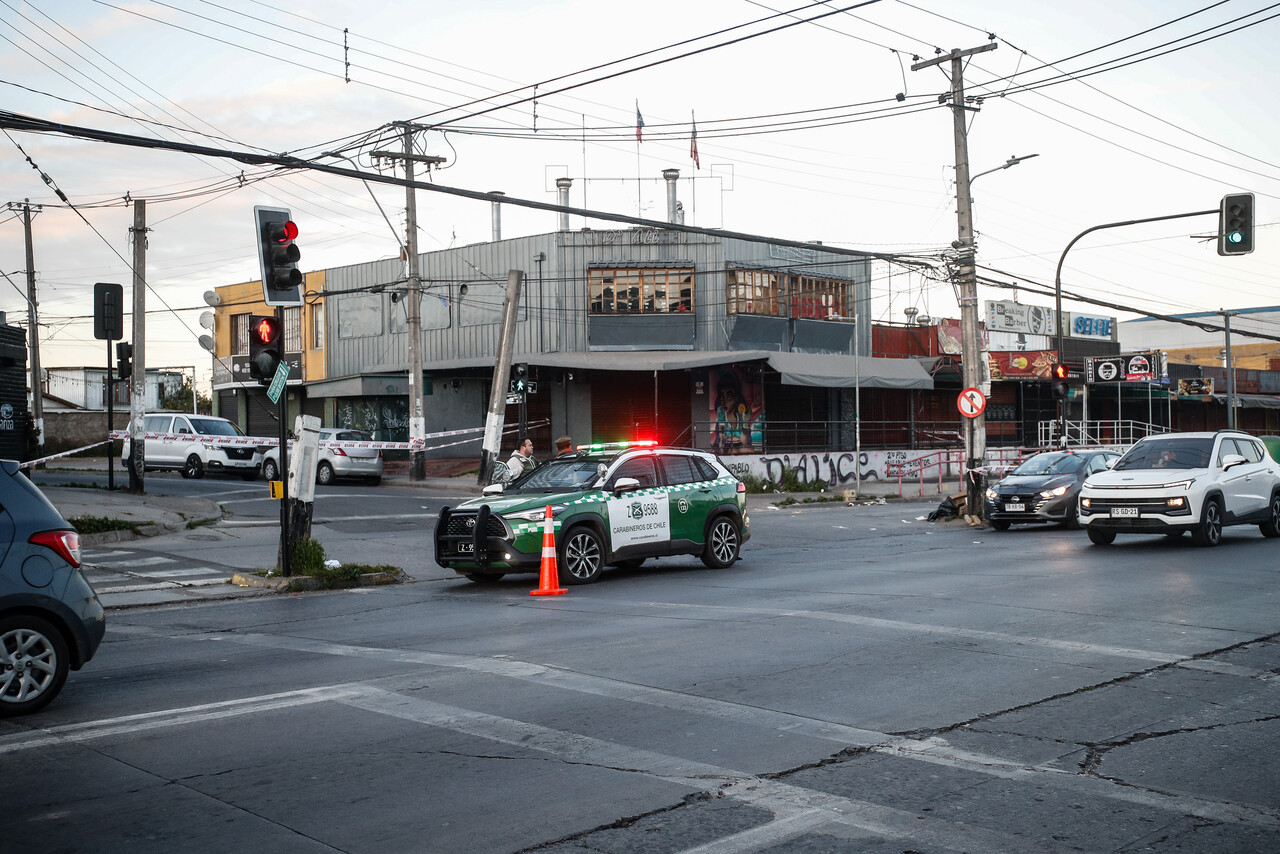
(1232, 460)
(625, 484)
(492, 489)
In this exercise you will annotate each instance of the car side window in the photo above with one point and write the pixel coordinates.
(704, 469)
(679, 469)
(641, 468)
(180, 425)
(1227, 446)
(157, 423)
(1251, 450)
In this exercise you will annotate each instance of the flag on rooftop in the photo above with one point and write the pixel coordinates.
(639, 122)
(693, 144)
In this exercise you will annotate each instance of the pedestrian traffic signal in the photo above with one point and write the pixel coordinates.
(124, 360)
(1235, 224)
(1061, 387)
(278, 256)
(265, 347)
(519, 378)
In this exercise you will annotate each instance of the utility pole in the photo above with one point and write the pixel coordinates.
(501, 373)
(1231, 371)
(971, 353)
(138, 380)
(37, 393)
(417, 417)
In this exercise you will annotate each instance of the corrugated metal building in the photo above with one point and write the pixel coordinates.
(689, 338)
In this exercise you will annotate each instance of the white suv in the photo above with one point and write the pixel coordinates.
(193, 448)
(1197, 482)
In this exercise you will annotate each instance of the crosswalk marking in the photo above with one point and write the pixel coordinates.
(141, 561)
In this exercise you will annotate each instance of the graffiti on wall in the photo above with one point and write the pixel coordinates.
(837, 468)
(737, 411)
(384, 418)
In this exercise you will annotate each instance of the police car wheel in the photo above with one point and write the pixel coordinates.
(581, 556)
(723, 541)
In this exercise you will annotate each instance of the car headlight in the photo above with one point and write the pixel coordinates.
(992, 494)
(1086, 502)
(1050, 493)
(537, 514)
(1176, 503)
(1180, 484)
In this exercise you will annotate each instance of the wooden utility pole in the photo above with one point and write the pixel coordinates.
(501, 372)
(138, 379)
(971, 352)
(417, 416)
(37, 391)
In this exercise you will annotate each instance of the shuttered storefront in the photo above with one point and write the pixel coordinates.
(623, 402)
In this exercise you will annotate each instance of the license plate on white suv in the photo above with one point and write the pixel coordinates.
(1124, 512)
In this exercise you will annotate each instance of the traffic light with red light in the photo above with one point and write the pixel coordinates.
(278, 256)
(266, 347)
(1235, 224)
(1061, 387)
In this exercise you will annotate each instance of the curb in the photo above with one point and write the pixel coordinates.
(306, 582)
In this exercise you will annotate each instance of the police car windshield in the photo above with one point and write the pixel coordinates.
(560, 475)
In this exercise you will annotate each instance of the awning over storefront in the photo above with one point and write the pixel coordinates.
(1248, 401)
(807, 369)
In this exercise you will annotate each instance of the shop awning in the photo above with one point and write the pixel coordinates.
(1249, 401)
(807, 369)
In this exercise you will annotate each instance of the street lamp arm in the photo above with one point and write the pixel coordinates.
(1012, 161)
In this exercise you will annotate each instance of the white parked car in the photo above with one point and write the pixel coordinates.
(365, 463)
(194, 449)
(1176, 482)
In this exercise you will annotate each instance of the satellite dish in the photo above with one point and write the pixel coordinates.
(206, 320)
(206, 341)
(212, 298)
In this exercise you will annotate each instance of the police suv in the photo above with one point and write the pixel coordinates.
(611, 504)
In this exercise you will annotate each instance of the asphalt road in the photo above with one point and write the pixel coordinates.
(861, 681)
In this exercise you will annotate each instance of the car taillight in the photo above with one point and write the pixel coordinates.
(65, 543)
(338, 452)
(742, 487)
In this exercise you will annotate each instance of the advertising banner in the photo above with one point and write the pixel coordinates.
(1146, 367)
(1022, 365)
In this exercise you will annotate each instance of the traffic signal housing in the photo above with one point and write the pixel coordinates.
(278, 256)
(124, 360)
(1235, 224)
(266, 348)
(1061, 386)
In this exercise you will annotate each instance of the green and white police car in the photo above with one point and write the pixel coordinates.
(612, 505)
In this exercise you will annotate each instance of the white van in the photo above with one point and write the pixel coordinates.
(193, 448)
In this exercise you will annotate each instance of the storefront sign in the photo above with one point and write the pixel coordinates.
(1147, 367)
(1010, 316)
(1022, 365)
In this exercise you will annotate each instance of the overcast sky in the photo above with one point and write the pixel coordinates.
(1135, 109)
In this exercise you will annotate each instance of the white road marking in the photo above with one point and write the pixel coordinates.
(140, 561)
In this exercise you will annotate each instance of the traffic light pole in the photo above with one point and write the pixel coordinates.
(282, 413)
(1057, 296)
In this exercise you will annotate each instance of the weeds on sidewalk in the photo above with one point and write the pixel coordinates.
(101, 524)
(309, 559)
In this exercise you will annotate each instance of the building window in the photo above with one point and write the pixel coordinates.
(756, 292)
(820, 299)
(317, 326)
(433, 310)
(480, 303)
(360, 316)
(772, 294)
(293, 329)
(240, 335)
(640, 290)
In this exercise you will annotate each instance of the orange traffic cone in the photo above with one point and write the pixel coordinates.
(549, 581)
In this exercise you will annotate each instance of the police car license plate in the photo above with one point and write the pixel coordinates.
(1124, 512)
(466, 547)
(1015, 508)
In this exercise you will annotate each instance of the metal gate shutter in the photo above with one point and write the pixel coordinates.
(262, 420)
(623, 403)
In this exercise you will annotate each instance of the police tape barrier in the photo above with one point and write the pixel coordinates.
(32, 463)
(263, 442)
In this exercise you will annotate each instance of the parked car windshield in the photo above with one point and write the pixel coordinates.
(1184, 453)
(210, 427)
(1042, 464)
(560, 475)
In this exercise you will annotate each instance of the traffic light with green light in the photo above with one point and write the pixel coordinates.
(1235, 224)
